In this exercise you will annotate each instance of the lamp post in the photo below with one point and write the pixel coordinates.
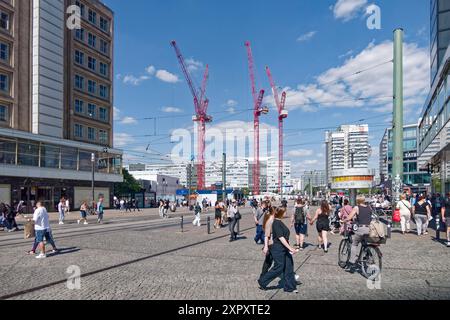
(353, 192)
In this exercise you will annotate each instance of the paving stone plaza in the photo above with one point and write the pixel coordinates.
(140, 256)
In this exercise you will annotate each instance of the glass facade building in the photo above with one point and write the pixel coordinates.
(440, 33)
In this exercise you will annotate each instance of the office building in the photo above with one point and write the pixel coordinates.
(415, 178)
(56, 103)
(434, 125)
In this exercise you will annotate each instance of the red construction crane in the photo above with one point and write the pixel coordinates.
(257, 111)
(282, 114)
(201, 117)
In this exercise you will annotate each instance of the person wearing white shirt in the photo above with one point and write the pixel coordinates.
(405, 213)
(41, 225)
(61, 210)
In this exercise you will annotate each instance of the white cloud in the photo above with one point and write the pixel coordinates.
(306, 36)
(348, 9)
(116, 114)
(150, 70)
(122, 139)
(300, 153)
(171, 110)
(166, 76)
(341, 87)
(135, 81)
(231, 103)
(193, 65)
(347, 54)
(128, 120)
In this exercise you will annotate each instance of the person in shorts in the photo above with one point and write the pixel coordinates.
(299, 221)
(323, 224)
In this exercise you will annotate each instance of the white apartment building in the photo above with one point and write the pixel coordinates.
(347, 148)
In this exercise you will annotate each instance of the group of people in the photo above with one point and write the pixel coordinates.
(63, 209)
(8, 216)
(126, 205)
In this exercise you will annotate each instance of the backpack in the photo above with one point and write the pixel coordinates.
(376, 232)
(299, 215)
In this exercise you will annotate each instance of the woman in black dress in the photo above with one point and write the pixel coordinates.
(217, 215)
(323, 224)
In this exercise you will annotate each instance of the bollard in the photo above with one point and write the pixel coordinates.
(438, 227)
(389, 227)
(182, 222)
(209, 224)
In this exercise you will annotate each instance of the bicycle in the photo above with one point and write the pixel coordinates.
(369, 258)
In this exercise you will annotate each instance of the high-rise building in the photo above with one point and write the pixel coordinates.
(347, 148)
(413, 176)
(434, 124)
(56, 102)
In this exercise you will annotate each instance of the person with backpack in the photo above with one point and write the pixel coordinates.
(405, 214)
(299, 222)
(258, 216)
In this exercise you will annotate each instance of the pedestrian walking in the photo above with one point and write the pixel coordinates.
(83, 213)
(323, 224)
(363, 219)
(217, 215)
(161, 208)
(67, 207)
(344, 214)
(166, 208)
(41, 224)
(258, 216)
(198, 211)
(128, 205)
(282, 253)
(122, 204)
(299, 221)
(135, 205)
(421, 214)
(405, 214)
(100, 210)
(268, 240)
(445, 212)
(61, 210)
(231, 214)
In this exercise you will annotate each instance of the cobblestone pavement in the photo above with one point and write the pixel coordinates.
(150, 258)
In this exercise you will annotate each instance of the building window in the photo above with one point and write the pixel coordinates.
(92, 17)
(103, 114)
(78, 131)
(91, 133)
(92, 40)
(3, 113)
(103, 69)
(4, 21)
(4, 85)
(81, 6)
(103, 136)
(79, 106)
(92, 108)
(79, 82)
(92, 86)
(92, 63)
(79, 57)
(103, 91)
(4, 52)
(79, 34)
(103, 24)
(104, 46)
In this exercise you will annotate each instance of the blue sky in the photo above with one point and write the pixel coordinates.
(311, 47)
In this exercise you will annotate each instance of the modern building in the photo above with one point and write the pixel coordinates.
(434, 125)
(179, 170)
(165, 187)
(347, 148)
(417, 179)
(315, 178)
(56, 103)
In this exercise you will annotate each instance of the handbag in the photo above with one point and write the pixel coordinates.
(396, 216)
(237, 216)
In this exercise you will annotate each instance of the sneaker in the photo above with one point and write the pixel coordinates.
(85, 222)
(425, 233)
(61, 222)
(31, 253)
(11, 230)
(54, 251)
(448, 244)
(297, 277)
(78, 221)
(41, 256)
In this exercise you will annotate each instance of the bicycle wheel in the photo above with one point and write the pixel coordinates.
(344, 253)
(371, 262)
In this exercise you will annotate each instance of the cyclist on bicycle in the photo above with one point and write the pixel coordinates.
(363, 218)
